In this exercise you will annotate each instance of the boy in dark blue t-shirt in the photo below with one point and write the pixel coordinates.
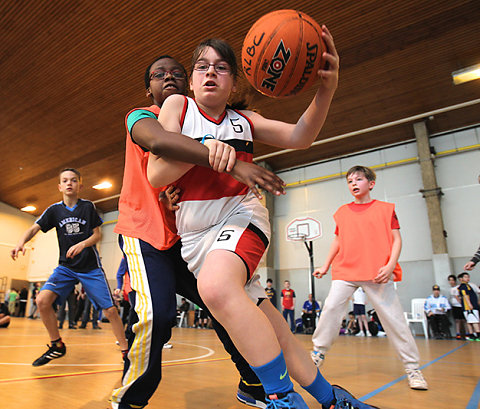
(468, 297)
(78, 230)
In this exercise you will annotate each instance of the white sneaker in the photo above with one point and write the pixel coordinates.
(416, 379)
(368, 334)
(317, 358)
(381, 334)
(360, 334)
(167, 346)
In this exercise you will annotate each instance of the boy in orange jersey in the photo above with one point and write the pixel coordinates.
(364, 254)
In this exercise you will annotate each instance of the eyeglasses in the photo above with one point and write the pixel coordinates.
(161, 74)
(220, 68)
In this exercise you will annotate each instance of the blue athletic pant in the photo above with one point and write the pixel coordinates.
(155, 277)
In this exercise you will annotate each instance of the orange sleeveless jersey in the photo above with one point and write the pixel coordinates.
(141, 214)
(365, 239)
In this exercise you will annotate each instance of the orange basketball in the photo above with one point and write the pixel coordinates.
(282, 53)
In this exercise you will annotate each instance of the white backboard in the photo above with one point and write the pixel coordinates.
(306, 228)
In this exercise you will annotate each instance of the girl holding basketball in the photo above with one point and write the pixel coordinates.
(225, 229)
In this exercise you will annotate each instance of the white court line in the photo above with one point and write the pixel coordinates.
(209, 353)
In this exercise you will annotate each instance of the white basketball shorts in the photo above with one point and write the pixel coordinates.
(246, 233)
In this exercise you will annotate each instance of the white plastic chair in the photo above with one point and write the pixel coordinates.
(418, 315)
(181, 319)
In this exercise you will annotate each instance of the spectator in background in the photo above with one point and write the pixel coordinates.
(468, 297)
(351, 325)
(89, 307)
(182, 311)
(184, 306)
(359, 301)
(4, 316)
(33, 301)
(309, 314)
(12, 301)
(271, 293)
(457, 310)
(71, 300)
(23, 297)
(80, 304)
(288, 304)
(7, 298)
(436, 307)
(201, 318)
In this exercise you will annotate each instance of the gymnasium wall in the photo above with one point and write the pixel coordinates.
(399, 181)
(110, 252)
(13, 223)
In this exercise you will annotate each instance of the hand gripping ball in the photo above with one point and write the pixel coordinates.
(282, 53)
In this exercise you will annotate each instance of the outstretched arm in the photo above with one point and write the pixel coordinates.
(302, 134)
(27, 236)
(162, 170)
(151, 135)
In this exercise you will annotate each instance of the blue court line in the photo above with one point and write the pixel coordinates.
(388, 385)
(475, 399)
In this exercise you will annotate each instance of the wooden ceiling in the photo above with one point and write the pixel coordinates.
(70, 70)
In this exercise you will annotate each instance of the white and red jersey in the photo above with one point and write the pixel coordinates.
(215, 210)
(209, 197)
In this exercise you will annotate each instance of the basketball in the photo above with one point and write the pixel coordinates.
(282, 53)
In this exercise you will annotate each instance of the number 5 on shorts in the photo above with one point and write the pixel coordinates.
(225, 235)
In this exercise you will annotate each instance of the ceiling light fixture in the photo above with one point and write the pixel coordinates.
(103, 185)
(466, 74)
(28, 208)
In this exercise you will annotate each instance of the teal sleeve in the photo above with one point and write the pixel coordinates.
(136, 115)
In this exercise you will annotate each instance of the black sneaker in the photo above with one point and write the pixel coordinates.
(53, 352)
(345, 400)
(251, 395)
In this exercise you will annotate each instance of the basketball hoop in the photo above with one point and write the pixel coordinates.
(305, 229)
(296, 237)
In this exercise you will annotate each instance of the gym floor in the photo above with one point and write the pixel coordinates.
(197, 372)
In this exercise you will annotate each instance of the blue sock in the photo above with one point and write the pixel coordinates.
(274, 376)
(321, 390)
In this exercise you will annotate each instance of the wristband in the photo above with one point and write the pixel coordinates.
(205, 137)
